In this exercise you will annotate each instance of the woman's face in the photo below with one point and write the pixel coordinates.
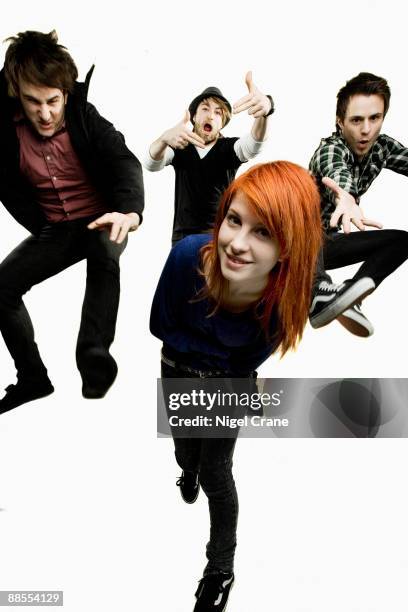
(246, 249)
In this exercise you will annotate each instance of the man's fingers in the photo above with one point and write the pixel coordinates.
(195, 139)
(117, 224)
(346, 224)
(114, 232)
(116, 228)
(257, 111)
(334, 219)
(248, 81)
(345, 220)
(371, 223)
(123, 233)
(241, 101)
(105, 219)
(183, 137)
(242, 107)
(186, 118)
(331, 184)
(359, 223)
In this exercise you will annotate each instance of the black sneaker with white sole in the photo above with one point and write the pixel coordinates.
(331, 300)
(355, 322)
(213, 591)
(189, 486)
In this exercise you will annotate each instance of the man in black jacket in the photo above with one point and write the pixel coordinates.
(65, 173)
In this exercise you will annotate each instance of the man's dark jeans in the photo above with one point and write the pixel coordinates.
(212, 458)
(37, 258)
(381, 251)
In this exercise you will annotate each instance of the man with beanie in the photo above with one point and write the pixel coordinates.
(65, 173)
(204, 161)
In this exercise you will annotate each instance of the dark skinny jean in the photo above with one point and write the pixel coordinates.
(212, 458)
(58, 246)
(381, 251)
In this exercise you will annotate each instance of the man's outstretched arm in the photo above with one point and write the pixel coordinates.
(259, 106)
(347, 211)
(331, 166)
(118, 224)
(178, 137)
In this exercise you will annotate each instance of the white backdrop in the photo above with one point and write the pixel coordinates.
(87, 496)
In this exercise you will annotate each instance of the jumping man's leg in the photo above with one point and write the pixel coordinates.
(33, 261)
(99, 313)
(382, 251)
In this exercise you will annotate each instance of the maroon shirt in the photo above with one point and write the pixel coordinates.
(63, 189)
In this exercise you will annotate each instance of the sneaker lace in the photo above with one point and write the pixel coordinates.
(326, 286)
(185, 478)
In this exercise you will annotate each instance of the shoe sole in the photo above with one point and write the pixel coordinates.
(356, 293)
(350, 320)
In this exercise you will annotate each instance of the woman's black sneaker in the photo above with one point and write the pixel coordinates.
(213, 591)
(189, 486)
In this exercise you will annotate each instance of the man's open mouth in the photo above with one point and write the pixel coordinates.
(207, 127)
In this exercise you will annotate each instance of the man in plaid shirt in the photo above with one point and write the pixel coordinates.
(345, 164)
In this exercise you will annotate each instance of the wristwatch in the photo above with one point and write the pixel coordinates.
(272, 106)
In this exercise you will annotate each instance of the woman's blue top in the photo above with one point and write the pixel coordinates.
(234, 342)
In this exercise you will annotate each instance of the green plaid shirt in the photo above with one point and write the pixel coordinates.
(334, 159)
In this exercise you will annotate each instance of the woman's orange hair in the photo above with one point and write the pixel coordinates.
(285, 198)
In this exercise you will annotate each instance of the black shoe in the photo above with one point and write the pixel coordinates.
(355, 322)
(98, 370)
(332, 300)
(24, 392)
(212, 593)
(189, 486)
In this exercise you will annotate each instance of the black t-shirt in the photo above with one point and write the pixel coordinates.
(200, 184)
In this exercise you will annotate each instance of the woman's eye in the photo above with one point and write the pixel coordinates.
(233, 219)
(262, 231)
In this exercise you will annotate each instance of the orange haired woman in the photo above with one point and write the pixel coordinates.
(224, 303)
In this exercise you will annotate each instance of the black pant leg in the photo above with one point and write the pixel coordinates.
(33, 261)
(218, 484)
(212, 458)
(101, 300)
(381, 251)
(187, 450)
(320, 274)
